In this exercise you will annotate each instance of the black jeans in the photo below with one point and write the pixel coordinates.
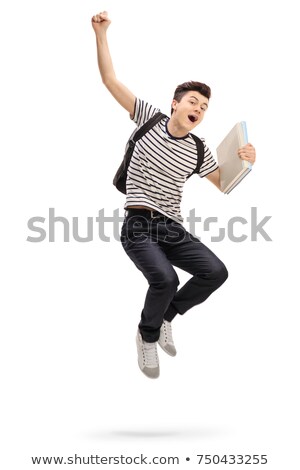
(155, 244)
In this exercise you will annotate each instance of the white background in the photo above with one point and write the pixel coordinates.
(70, 380)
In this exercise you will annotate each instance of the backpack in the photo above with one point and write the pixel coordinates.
(121, 175)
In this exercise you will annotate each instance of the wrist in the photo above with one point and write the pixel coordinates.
(101, 36)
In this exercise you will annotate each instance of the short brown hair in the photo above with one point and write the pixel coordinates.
(182, 89)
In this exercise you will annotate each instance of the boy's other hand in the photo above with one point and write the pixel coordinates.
(247, 152)
(100, 22)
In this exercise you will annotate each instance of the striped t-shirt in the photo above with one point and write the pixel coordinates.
(160, 165)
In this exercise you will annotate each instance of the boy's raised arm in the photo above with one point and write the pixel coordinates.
(120, 92)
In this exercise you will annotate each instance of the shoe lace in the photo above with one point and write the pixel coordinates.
(150, 354)
(167, 329)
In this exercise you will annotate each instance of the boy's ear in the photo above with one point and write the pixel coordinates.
(174, 104)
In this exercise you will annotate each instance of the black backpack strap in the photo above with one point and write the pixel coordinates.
(147, 126)
(200, 153)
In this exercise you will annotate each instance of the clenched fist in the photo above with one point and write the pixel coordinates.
(100, 22)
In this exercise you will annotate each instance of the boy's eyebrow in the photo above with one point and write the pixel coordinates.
(198, 100)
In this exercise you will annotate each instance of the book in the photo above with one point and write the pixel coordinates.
(232, 168)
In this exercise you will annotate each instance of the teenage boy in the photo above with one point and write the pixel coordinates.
(152, 234)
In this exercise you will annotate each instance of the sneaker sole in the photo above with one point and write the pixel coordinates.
(167, 352)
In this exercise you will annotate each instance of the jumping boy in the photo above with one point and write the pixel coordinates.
(152, 233)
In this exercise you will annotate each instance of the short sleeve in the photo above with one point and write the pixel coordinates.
(143, 112)
(209, 163)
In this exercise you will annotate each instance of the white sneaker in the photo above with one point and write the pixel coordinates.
(147, 357)
(166, 339)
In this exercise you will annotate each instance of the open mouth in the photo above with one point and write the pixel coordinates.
(192, 118)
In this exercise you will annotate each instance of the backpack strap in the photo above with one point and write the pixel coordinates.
(200, 153)
(147, 126)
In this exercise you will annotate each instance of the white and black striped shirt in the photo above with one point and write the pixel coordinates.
(160, 165)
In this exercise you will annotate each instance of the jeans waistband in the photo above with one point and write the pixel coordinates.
(147, 214)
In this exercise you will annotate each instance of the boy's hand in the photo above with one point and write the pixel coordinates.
(247, 153)
(100, 22)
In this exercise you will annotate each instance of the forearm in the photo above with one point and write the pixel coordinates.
(104, 59)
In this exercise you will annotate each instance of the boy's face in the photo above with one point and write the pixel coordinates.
(190, 110)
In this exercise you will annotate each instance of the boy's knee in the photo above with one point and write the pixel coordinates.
(218, 273)
(169, 281)
(221, 273)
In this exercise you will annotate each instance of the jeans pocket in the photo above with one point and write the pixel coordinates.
(135, 229)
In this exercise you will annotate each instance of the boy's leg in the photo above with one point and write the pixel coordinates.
(150, 259)
(208, 273)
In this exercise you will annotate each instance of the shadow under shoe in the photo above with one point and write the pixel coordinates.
(147, 357)
(166, 339)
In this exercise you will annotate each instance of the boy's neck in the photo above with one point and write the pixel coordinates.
(175, 129)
